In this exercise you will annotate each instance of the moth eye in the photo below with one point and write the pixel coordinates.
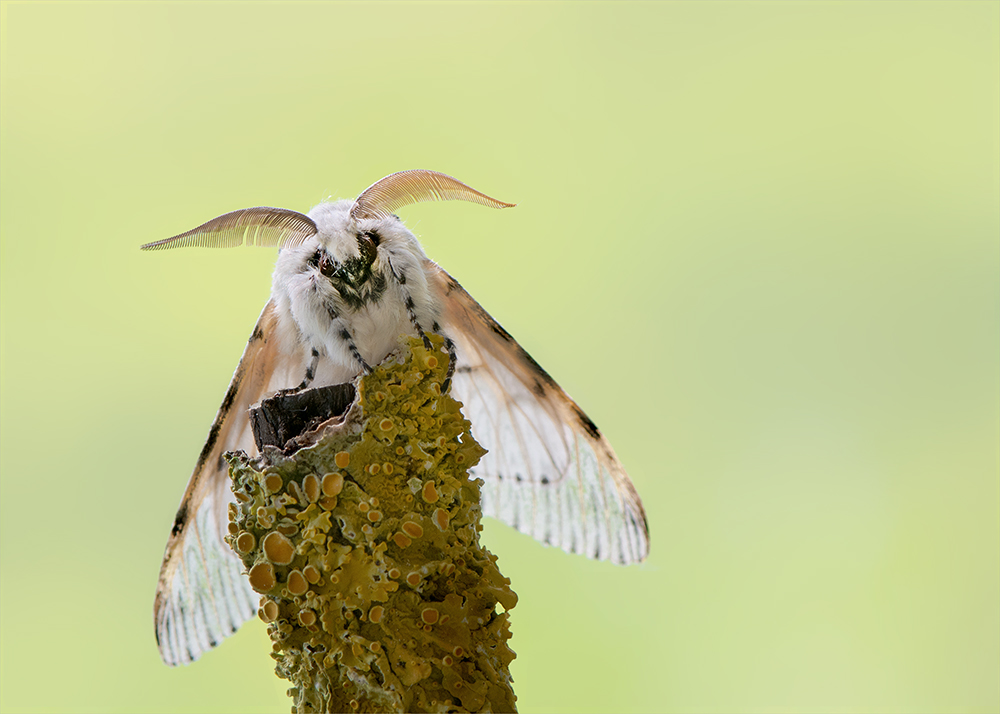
(368, 245)
(327, 266)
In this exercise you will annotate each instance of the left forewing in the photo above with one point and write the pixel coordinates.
(549, 471)
(202, 595)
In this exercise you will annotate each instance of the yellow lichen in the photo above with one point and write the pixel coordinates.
(278, 549)
(245, 542)
(376, 600)
(297, 583)
(412, 529)
(262, 577)
(311, 487)
(311, 574)
(268, 610)
(287, 528)
(332, 484)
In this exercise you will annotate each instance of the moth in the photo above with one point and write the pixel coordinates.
(350, 279)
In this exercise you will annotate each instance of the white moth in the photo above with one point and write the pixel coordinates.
(349, 280)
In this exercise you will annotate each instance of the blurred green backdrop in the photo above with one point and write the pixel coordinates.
(758, 242)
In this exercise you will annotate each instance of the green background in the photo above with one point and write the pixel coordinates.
(758, 242)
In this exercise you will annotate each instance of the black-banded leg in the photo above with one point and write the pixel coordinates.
(410, 306)
(449, 345)
(413, 319)
(345, 335)
(309, 376)
(310, 370)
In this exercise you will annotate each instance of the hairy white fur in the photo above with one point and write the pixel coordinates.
(304, 297)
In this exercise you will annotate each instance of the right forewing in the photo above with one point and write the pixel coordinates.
(549, 472)
(203, 595)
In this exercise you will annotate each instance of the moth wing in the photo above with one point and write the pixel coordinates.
(203, 595)
(549, 472)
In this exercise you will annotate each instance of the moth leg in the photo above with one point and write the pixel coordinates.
(310, 371)
(410, 307)
(310, 375)
(345, 335)
(449, 345)
(416, 323)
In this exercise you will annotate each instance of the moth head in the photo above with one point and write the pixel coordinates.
(341, 250)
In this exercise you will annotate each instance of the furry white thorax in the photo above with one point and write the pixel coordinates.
(372, 319)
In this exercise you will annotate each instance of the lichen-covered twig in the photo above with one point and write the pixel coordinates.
(365, 548)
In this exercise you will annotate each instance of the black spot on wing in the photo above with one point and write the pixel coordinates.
(643, 523)
(586, 423)
(227, 401)
(543, 377)
(541, 374)
(495, 326)
(180, 519)
(213, 436)
(500, 332)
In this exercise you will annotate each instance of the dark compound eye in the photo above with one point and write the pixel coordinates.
(368, 245)
(326, 265)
